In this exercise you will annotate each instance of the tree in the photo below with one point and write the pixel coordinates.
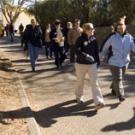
(120, 8)
(66, 10)
(100, 12)
(11, 11)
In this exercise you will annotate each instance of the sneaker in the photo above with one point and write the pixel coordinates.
(59, 67)
(80, 101)
(33, 69)
(121, 99)
(99, 106)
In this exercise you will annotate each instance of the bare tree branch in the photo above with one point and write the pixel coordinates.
(11, 10)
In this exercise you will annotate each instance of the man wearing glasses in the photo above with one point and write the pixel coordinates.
(122, 44)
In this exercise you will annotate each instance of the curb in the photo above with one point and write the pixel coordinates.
(32, 124)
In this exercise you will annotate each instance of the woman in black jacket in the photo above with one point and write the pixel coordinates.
(87, 61)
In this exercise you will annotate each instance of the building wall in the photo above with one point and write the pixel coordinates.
(23, 18)
(102, 32)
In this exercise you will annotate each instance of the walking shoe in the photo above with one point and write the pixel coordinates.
(80, 101)
(59, 67)
(99, 106)
(33, 69)
(121, 99)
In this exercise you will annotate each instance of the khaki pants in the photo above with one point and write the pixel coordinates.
(81, 70)
(117, 83)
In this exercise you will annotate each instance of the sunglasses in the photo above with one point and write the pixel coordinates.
(120, 24)
(89, 29)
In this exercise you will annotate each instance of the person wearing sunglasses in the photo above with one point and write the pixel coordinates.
(87, 61)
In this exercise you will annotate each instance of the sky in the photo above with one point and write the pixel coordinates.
(16, 1)
(32, 0)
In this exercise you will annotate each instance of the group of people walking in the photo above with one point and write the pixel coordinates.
(56, 41)
(83, 48)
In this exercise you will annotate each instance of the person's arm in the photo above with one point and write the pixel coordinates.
(97, 53)
(132, 44)
(79, 51)
(104, 52)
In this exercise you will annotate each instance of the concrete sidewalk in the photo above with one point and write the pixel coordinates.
(51, 96)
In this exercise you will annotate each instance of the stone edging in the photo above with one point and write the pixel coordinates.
(32, 124)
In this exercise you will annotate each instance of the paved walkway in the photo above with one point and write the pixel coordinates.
(51, 95)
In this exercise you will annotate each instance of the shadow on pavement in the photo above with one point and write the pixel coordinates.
(20, 61)
(121, 126)
(54, 72)
(15, 114)
(38, 71)
(48, 116)
(130, 83)
(6, 40)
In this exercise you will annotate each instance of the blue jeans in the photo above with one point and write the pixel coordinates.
(66, 46)
(12, 37)
(33, 52)
(48, 49)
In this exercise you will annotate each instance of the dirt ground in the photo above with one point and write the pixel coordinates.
(9, 101)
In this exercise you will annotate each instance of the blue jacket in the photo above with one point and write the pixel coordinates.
(121, 46)
(87, 46)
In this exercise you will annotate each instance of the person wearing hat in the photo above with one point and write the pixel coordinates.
(57, 37)
(87, 61)
(121, 43)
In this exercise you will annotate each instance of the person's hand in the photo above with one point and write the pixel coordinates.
(56, 40)
(90, 58)
(98, 65)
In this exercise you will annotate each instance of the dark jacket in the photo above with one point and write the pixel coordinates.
(33, 35)
(102, 45)
(11, 28)
(21, 28)
(87, 46)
